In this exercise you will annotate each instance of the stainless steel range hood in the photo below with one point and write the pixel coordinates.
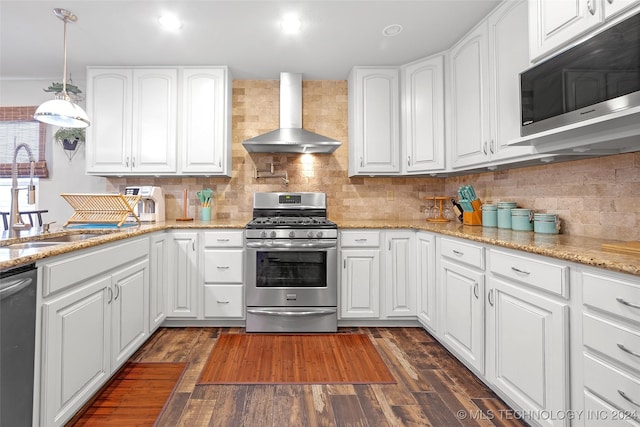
(291, 138)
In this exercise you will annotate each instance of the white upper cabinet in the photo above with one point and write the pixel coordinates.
(374, 121)
(470, 124)
(423, 116)
(206, 144)
(485, 89)
(137, 128)
(553, 24)
(133, 113)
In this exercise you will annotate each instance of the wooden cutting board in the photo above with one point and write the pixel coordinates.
(630, 248)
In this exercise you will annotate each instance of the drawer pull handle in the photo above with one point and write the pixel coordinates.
(475, 290)
(223, 240)
(222, 267)
(628, 304)
(361, 240)
(490, 297)
(517, 270)
(626, 350)
(222, 302)
(627, 398)
(458, 253)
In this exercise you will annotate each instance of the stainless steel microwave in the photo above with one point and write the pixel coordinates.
(594, 78)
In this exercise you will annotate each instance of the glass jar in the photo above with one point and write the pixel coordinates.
(522, 219)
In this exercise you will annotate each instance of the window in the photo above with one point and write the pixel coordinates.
(18, 126)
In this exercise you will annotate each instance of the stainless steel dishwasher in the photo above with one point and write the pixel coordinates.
(17, 344)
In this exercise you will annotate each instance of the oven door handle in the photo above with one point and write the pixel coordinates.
(292, 313)
(292, 245)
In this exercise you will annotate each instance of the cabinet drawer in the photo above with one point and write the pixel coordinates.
(611, 383)
(607, 337)
(614, 296)
(66, 272)
(360, 239)
(223, 301)
(598, 413)
(539, 274)
(466, 253)
(224, 239)
(223, 266)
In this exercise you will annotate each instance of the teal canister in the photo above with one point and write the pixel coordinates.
(546, 223)
(489, 215)
(522, 219)
(504, 214)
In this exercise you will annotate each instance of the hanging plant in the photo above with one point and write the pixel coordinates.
(69, 137)
(57, 88)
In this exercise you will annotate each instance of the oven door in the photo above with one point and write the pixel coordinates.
(292, 274)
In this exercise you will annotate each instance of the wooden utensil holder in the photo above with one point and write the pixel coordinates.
(475, 217)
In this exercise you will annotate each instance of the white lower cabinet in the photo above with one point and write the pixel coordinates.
(461, 326)
(223, 270)
(360, 274)
(158, 279)
(426, 280)
(400, 274)
(90, 326)
(184, 276)
(527, 349)
(611, 347)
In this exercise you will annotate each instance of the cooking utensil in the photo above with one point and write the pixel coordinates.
(205, 197)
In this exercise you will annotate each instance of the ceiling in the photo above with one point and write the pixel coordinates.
(243, 34)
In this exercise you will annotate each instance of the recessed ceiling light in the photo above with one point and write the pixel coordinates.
(392, 30)
(170, 22)
(290, 24)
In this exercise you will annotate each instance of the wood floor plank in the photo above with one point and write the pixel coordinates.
(498, 412)
(289, 411)
(318, 406)
(411, 416)
(436, 410)
(371, 406)
(175, 349)
(173, 410)
(258, 406)
(348, 411)
(229, 407)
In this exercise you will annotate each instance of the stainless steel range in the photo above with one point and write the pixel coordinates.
(292, 283)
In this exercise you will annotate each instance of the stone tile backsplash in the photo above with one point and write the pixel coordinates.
(594, 197)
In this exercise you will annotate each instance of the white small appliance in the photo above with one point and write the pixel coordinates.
(150, 208)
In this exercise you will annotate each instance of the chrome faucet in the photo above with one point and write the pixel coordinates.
(15, 219)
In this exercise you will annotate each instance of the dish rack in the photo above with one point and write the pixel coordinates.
(101, 208)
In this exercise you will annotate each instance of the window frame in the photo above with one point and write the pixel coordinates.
(26, 114)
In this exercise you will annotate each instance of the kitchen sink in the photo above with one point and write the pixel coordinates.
(37, 242)
(32, 245)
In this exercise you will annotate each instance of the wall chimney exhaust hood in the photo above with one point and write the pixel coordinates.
(291, 138)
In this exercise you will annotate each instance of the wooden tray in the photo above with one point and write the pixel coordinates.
(629, 248)
(101, 208)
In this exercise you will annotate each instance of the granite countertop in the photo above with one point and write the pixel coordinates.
(577, 249)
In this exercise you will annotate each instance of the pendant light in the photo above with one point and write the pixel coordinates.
(62, 111)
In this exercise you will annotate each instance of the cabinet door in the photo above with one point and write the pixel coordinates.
(614, 7)
(158, 280)
(553, 24)
(204, 129)
(462, 312)
(400, 279)
(109, 93)
(374, 128)
(423, 116)
(183, 275)
(129, 311)
(528, 337)
(154, 120)
(75, 340)
(360, 284)
(470, 99)
(426, 280)
(508, 57)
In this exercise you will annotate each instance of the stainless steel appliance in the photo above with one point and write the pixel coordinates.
(594, 78)
(292, 283)
(17, 344)
(150, 208)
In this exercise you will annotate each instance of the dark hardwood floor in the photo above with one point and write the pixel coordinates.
(433, 388)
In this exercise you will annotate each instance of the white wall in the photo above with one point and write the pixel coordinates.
(64, 176)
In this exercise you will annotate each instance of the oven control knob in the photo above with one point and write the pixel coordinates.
(263, 234)
(319, 235)
(310, 234)
(292, 234)
(272, 234)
